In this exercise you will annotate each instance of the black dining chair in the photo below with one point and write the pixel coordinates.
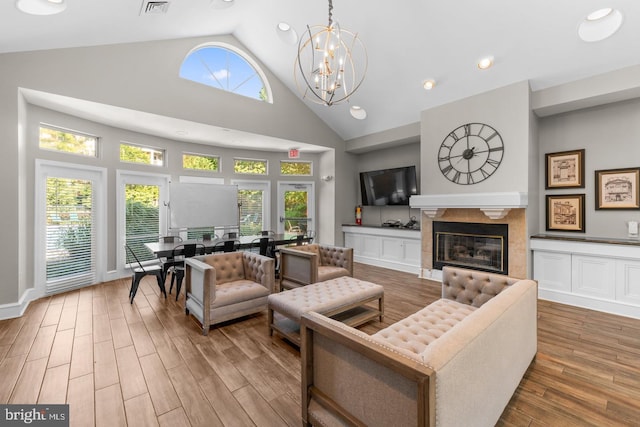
(230, 245)
(264, 246)
(182, 252)
(169, 261)
(230, 235)
(140, 271)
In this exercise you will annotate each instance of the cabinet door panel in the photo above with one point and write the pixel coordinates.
(390, 248)
(412, 251)
(370, 246)
(628, 281)
(552, 270)
(593, 276)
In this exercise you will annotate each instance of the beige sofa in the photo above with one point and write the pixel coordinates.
(306, 264)
(456, 362)
(225, 286)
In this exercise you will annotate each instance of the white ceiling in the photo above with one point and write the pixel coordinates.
(407, 41)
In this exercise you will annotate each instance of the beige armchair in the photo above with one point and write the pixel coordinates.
(306, 264)
(225, 286)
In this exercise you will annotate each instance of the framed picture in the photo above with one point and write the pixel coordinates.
(565, 212)
(618, 189)
(564, 169)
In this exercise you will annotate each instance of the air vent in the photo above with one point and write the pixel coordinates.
(154, 7)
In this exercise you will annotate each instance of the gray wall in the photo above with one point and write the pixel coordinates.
(505, 109)
(403, 155)
(144, 77)
(610, 135)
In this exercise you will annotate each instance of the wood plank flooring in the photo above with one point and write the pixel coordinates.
(118, 364)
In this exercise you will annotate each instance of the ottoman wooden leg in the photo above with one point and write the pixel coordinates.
(270, 321)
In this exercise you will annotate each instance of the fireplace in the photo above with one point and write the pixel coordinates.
(478, 246)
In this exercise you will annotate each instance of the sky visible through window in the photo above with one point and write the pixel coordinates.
(223, 69)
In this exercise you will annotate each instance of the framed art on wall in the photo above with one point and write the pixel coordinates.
(565, 212)
(618, 188)
(564, 169)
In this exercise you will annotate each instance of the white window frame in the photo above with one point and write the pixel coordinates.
(74, 132)
(244, 55)
(266, 173)
(296, 161)
(48, 168)
(246, 184)
(133, 144)
(124, 177)
(212, 156)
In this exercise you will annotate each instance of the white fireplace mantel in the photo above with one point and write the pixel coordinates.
(494, 205)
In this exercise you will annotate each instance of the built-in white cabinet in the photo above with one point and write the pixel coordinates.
(602, 276)
(393, 248)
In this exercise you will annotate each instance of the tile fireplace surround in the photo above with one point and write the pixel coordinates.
(486, 208)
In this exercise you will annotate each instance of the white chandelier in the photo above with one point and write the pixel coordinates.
(326, 66)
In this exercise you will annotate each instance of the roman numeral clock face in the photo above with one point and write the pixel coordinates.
(470, 154)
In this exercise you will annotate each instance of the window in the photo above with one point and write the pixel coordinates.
(69, 226)
(201, 162)
(227, 68)
(68, 142)
(141, 154)
(253, 198)
(141, 213)
(295, 168)
(142, 219)
(248, 166)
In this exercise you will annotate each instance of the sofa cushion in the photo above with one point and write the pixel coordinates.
(327, 272)
(323, 296)
(229, 267)
(416, 332)
(237, 291)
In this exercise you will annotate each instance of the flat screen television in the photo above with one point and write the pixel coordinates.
(388, 186)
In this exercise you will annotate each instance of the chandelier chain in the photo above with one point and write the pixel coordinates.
(330, 13)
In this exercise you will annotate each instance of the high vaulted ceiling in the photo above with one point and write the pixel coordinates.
(407, 42)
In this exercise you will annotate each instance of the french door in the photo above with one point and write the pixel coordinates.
(296, 208)
(142, 213)
(70, 219)
(253, 201)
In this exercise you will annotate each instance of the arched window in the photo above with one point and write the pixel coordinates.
(226, 67)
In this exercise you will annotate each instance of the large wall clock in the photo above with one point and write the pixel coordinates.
(470, 154)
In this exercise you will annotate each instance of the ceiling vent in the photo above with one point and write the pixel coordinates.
(154, 7)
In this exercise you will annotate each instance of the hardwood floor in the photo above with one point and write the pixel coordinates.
(148, 364)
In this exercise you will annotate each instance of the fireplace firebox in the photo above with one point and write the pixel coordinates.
(471, 245)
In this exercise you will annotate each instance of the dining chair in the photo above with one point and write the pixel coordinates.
(267, 233)
(230, 235)
(264, 245)
(140, 271)
(182, 252)
(229, 245)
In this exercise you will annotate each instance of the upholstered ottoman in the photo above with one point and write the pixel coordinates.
(344, 299)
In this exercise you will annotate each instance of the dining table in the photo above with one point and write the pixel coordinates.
(166, 249)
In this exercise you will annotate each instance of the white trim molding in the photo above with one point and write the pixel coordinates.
(494, 205)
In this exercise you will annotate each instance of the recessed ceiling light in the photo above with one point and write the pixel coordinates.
(600, 24)
(485, 63)
(358, 112)
(286, 33)
(429, 84)
(599, 14)
(41, 7)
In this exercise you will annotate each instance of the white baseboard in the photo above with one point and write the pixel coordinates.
(606, 306)
(16, 309)
(407, 268)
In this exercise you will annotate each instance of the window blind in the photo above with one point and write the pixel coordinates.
(70, 235)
